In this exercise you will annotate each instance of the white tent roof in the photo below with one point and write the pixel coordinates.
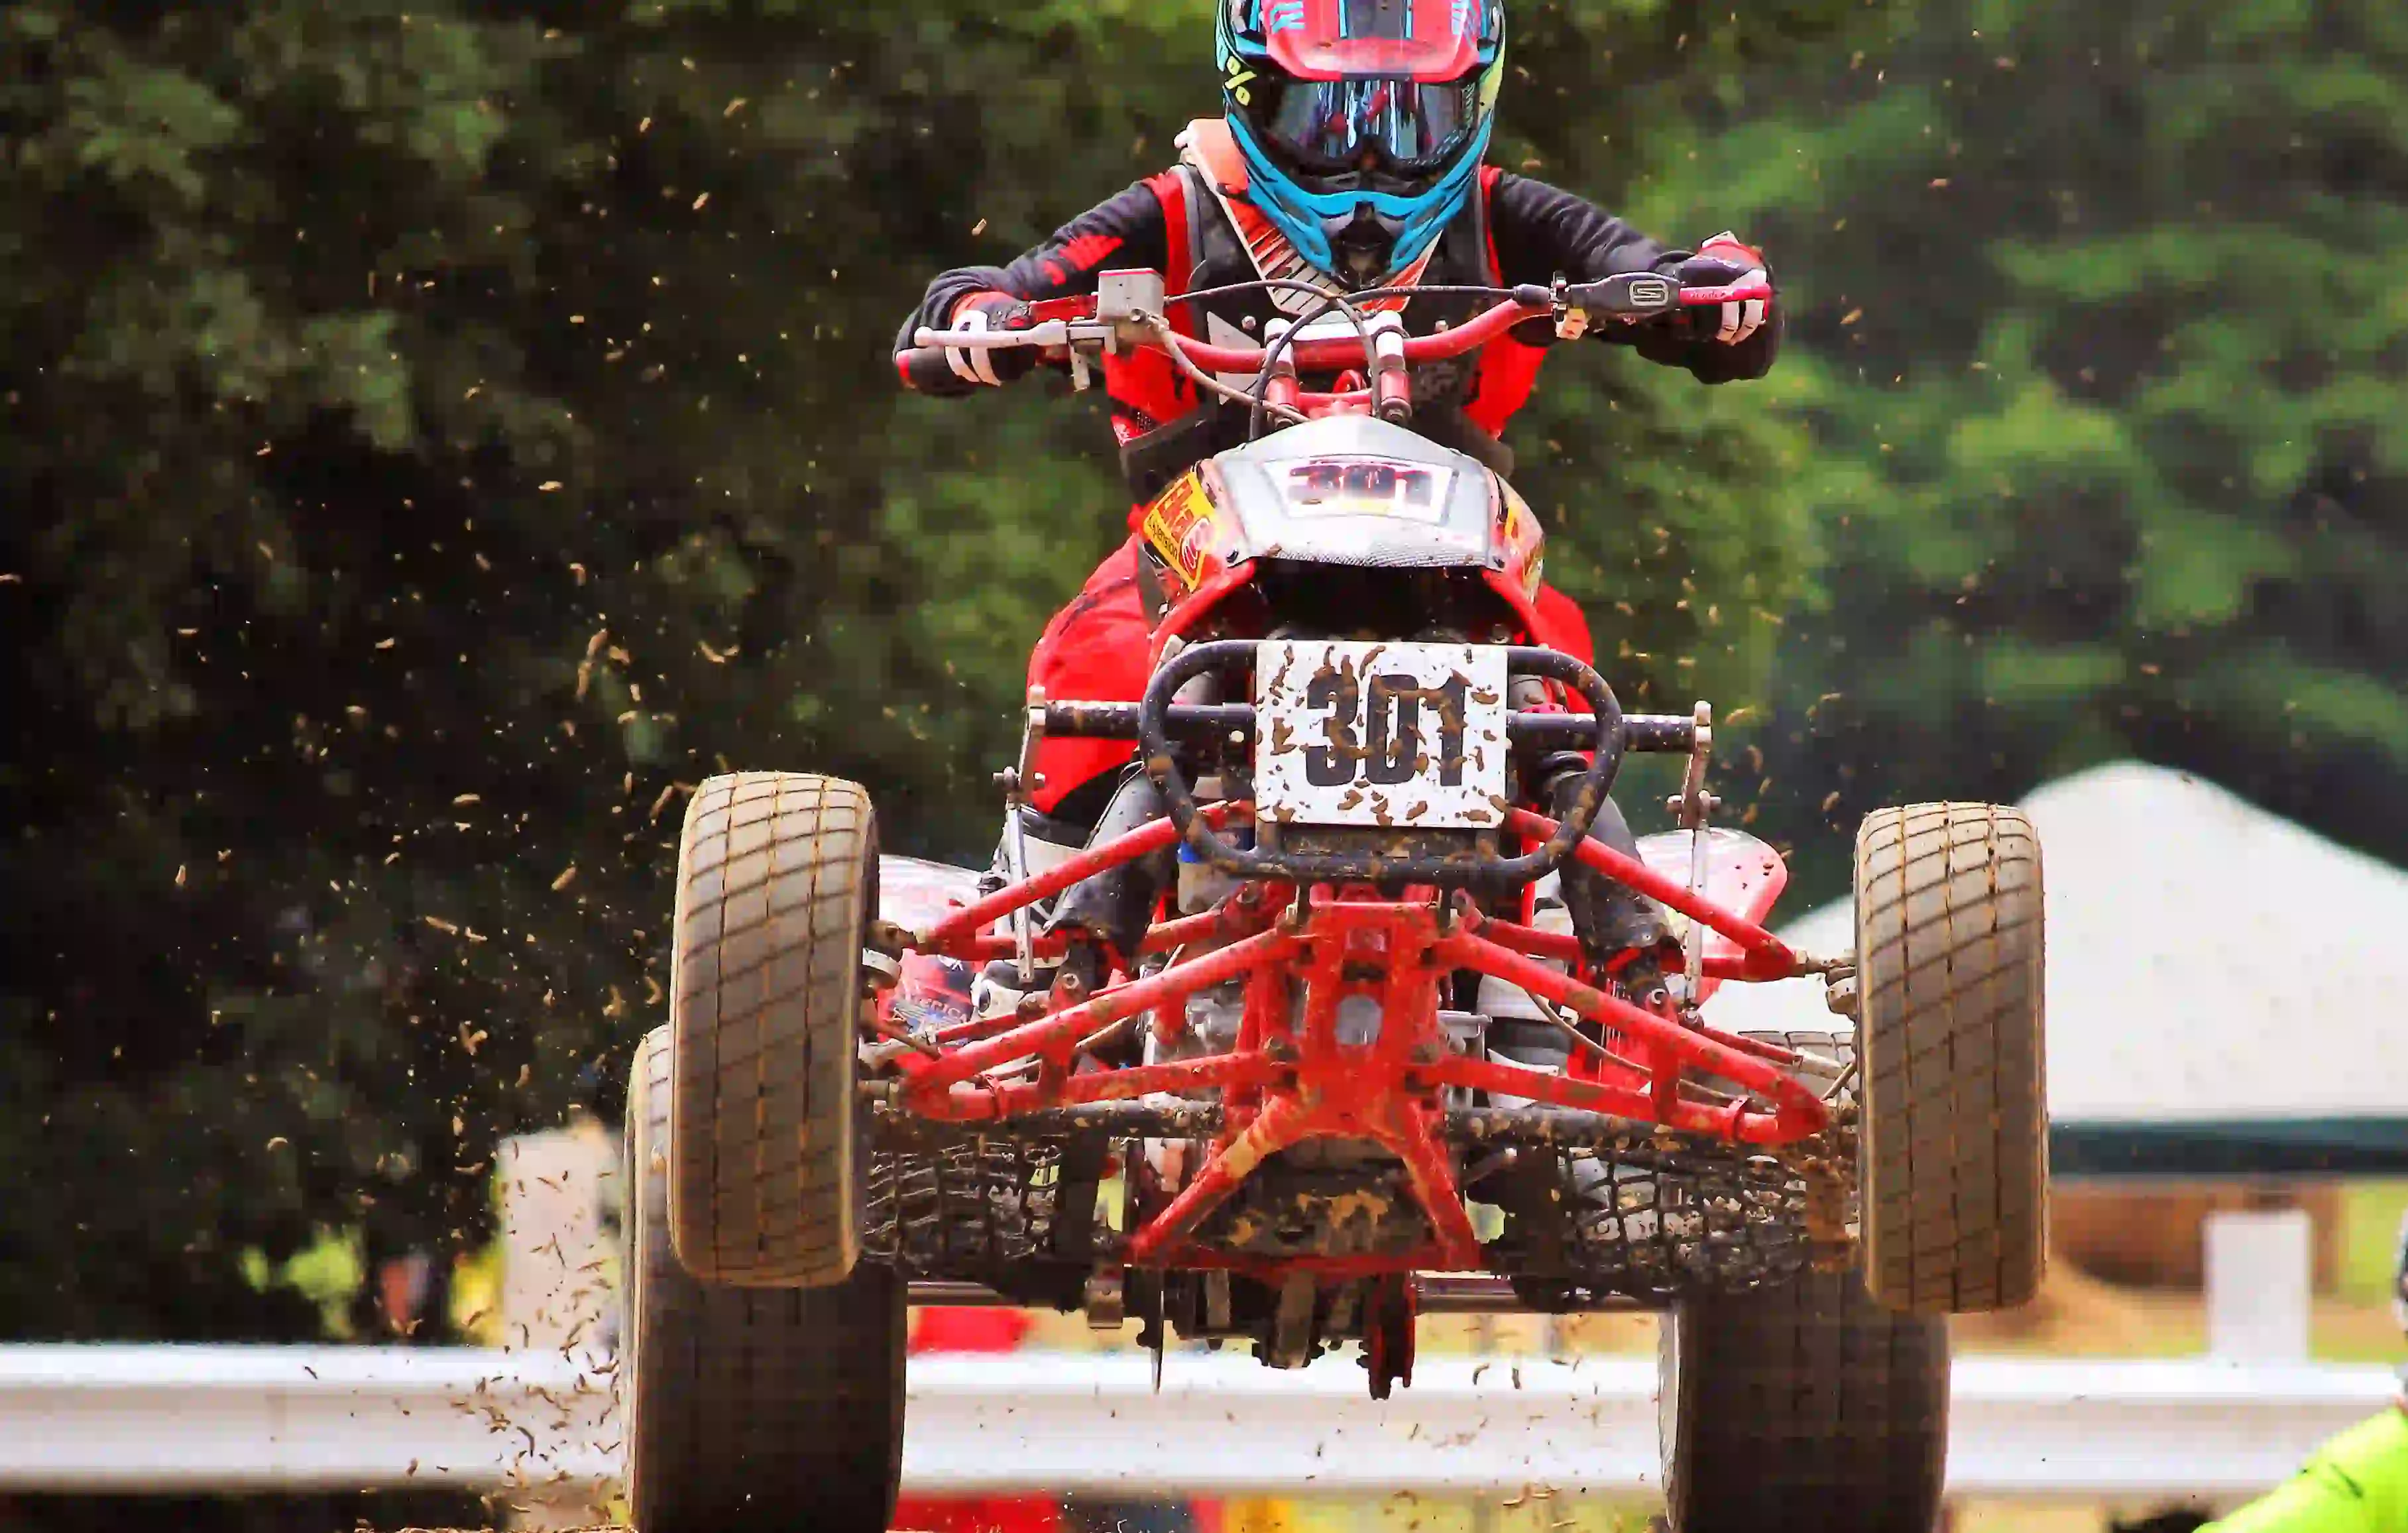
(2207, 961)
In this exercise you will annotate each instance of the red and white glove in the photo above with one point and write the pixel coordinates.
(1723, 262)
(991, 311)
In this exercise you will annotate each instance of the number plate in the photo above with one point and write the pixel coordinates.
(1352, 734)
(1369, 487)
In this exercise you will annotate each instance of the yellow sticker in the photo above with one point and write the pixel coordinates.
(1522, 540)
(1178, 525)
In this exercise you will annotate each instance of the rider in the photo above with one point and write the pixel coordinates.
(1349, 156)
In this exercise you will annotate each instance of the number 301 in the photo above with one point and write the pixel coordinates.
(1389, 729)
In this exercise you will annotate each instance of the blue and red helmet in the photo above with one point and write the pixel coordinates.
(1363, 123)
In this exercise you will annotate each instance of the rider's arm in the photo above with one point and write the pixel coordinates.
(1543, 232)
(1122, 235)
(2358, 1482)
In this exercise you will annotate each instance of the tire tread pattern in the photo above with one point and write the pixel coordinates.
(776, 871)
(749, 1409)
(1950, 948)
(1807, 1408)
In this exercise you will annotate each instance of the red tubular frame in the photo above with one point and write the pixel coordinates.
(959, 933)
(982, 1102)
(1763, 955)
(1239, 918)
(1293, 1076)
(1799, 1111)
(1051, 1036)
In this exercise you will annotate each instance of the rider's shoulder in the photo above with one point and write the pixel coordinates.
(1519, 189)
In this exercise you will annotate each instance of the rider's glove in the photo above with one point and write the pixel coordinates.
(991, 311)
(1723, 262)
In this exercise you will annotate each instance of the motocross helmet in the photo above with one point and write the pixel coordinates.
(1363, 123)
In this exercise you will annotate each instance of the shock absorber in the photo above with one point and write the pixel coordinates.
(1609, 917)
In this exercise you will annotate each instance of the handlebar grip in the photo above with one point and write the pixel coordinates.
(1045, 334)
(923, 369)
(1737, 293)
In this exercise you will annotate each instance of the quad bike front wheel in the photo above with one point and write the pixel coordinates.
(1953, 1161)
(1807, 1408)
(777, 883)
(748, 1410)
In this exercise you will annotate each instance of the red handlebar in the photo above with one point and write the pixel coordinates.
(1330, 355)
(1618, 297)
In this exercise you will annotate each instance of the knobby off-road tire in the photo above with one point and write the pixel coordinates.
(1954, 1156)
(777, 883)
(1806, 1407)
(748, 1410)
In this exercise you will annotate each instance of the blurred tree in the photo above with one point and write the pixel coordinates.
(432, 436)
(2105, 347)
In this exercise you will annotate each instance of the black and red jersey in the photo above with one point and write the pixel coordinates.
(1516, 231)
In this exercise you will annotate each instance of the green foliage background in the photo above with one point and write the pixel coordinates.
(433, 435)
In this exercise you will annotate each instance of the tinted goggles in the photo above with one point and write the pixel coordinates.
(1332, 124)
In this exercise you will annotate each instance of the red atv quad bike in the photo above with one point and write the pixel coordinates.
(1361, 1048)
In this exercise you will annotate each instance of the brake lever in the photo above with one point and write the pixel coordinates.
(1625, 295)
(1635, 296)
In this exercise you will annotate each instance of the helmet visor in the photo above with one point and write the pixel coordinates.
(1426, 40)
(1332, 124)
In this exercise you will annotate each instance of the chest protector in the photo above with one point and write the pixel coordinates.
(1215, 237)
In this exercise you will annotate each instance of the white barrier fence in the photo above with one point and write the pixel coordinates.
(166, 1418)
